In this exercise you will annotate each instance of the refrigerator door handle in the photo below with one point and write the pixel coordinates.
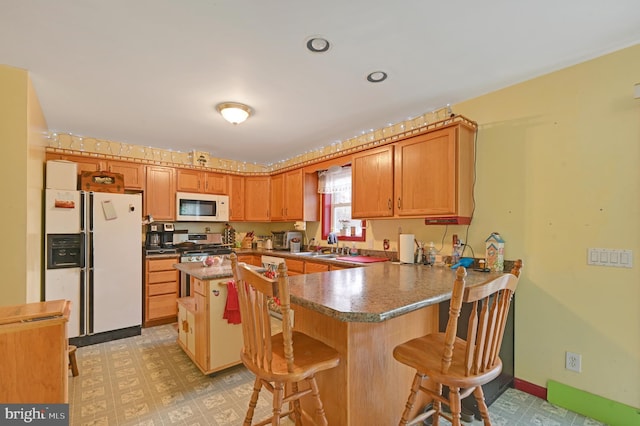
(91, 300)
(90, 210)
(82, 210)
(83, 301)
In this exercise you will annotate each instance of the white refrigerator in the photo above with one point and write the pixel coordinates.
(105, 286)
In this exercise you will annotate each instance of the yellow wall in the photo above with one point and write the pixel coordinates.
(558, 172)
(22, 130)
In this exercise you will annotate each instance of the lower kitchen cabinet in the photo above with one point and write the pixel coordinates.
(311, 267)
(160, 291)
(249, 259)
(211, 342)
(294, 266)
(186, 325)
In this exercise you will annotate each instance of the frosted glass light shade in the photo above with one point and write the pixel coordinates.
(234, 112)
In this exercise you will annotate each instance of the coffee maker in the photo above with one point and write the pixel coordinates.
(159, 235)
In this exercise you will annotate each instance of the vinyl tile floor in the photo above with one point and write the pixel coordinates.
(148, 380)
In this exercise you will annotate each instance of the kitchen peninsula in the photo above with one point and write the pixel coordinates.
(364, 313)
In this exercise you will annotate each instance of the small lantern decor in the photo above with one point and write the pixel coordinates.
(495, 252)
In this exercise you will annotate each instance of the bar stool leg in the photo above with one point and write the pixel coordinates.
(73, 365)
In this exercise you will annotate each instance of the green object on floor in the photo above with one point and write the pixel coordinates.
(605, 410)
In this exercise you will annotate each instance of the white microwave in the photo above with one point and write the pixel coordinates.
(192, 207)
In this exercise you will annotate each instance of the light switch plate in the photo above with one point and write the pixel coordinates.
(618, 258)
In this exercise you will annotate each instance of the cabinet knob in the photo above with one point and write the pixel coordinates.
(398, 202)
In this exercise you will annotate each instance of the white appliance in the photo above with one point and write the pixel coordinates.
(191, 207)
(94, 258)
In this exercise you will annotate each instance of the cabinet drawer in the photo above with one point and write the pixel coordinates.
(162, 306)
(311, 267)
(295, 265)
(162, 264)
(163, 276)
(199, 286)
(163, 288)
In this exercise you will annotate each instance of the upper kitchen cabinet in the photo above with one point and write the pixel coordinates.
(429, 175)
(372, 183)
(85, 164)
(433, 174)
(133, 173)
(189, 180)
(236, 198)
(256, 198)
(160, 193)
(294, 196)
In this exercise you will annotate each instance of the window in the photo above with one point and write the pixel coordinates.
(335, 186)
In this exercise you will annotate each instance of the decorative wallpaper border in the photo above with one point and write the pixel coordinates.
(99, 148)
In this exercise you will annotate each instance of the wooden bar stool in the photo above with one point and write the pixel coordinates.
(73, 364)
(442, 359)
(271, 358)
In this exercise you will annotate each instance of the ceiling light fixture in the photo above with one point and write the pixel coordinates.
(234, 112)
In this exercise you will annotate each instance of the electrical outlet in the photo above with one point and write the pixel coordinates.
(385, 244)
(573, 362)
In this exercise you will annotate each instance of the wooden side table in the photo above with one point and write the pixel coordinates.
(34, 356)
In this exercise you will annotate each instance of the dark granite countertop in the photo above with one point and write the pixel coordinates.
(377, 292)
(373, 293)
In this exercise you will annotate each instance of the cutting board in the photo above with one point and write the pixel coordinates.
(362, 259)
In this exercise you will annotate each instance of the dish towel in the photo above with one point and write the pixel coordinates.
(232, 308)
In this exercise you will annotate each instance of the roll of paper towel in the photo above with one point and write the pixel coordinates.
(405, 248)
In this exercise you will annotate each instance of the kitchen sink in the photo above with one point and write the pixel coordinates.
(316, 255)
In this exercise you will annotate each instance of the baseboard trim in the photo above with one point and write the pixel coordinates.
(92, 339)
(530, 388)
(604, 410)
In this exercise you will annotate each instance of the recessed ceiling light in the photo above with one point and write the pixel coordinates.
(318, 45)
(377, 77)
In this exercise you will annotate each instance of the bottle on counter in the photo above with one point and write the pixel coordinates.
(432, 254)
(455, 250)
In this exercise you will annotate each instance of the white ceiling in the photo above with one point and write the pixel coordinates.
(149, 72)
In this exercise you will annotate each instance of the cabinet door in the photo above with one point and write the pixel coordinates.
(425, 174)
(201, 327)
(277, 197)
(256, 200)
(192, 345)
(294, 195)
(288, 196)
(372, 183)
(215, 183)
(160, 193)
(236, 198)
(311, 267)
(85, 164)
(188, 180)
(294, 266)
(133, 173)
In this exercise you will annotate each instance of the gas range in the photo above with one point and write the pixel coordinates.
(198, 252)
